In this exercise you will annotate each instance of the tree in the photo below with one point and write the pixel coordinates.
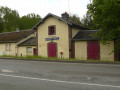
(1, 25)
(75, 19)
(87, 21)
(9, 19)
(106, 15)
(28, 21)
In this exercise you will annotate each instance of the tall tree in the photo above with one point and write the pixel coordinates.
(28, 21)
(106, 15)
(1, 25)
(87, 21)
(75, 19)
(9, 19)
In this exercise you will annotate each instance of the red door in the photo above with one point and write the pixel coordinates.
(93, 50)
(117, 55)
(35, 51)
(52, 50)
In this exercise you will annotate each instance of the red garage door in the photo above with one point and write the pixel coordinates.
(35, 52)
(93, 50)
(52, 50)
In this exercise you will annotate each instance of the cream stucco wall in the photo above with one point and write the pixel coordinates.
(74, 31)
(2, 49)
(22, 50)
(105, 51)
(11, 52)
(61, 32)
(81, 50)
(15, 50)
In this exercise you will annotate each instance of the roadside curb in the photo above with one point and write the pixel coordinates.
(57, 60)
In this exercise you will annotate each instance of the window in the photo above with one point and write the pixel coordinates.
(29, 49)
(8, 47)
(51, 30)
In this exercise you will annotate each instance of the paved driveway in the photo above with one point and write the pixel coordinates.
(38, 75)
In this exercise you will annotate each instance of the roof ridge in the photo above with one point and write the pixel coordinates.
(90, 30)
(50, 14)
(16, 31)
(30, 41)
(67, 20)
(59, 18)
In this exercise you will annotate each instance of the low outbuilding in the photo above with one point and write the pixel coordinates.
(13, 43)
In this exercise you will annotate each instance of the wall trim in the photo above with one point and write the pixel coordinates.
(70, 41)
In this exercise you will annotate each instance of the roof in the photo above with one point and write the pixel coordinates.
(29, 42)
(85, 35)
(60, 18)
(16, 36)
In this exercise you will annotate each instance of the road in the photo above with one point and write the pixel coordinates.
(39, 75)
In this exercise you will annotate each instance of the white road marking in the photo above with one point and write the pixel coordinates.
(4, 70)
(58, 81)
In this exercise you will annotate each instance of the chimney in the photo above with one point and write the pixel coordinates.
(17, 29)
(65, 16)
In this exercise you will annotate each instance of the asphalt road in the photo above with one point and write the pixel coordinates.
(38, 75)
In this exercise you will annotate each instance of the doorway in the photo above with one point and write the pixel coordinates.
(52, 51)
(93, 50)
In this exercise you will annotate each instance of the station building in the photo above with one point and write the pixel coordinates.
(59, 37)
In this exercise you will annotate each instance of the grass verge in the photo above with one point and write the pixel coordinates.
(54, 58)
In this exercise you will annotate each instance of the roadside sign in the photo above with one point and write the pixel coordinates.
(54, 38)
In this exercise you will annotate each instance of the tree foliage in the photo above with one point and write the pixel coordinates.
(1, 25)
(87, 21)
(75, 19)
(106, 15)
(11, 21)
(28, 21)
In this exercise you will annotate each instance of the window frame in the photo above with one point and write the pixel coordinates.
(51, 32)
(27, 49)
(8, 47)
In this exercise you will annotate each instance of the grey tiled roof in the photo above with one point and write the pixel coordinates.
(16, 36)
(85, 35)
(60, 18)
(29, 42)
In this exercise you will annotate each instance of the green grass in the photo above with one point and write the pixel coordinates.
(54, 58)
(29, 57)
(38, 57)
(7, 56)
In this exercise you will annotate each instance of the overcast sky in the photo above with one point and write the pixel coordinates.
(43, 7)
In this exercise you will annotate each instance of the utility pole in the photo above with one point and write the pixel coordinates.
(69, 6)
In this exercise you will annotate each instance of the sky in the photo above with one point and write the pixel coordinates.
(43, 7)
